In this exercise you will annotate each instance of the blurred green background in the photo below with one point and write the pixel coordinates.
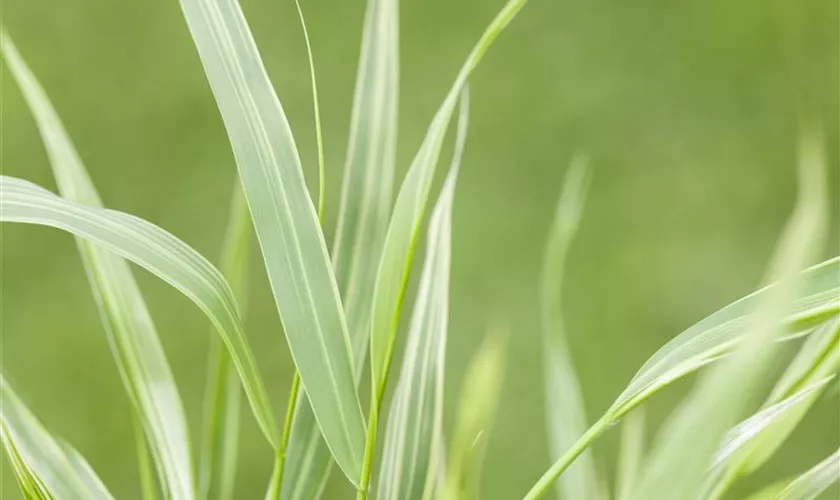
(687, 110)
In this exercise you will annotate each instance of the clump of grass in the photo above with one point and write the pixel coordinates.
(342, 305)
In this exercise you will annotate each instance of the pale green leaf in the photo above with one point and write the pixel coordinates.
(688, 440)
(631, 453)
(814, 481)
(45, 467)
(753, 442)
(285, 222)
(409, 465)
(478, 401)
(128, 324)
(401, 238)
(565, 410)
(366, 197)
(223, 394)
(160, 253)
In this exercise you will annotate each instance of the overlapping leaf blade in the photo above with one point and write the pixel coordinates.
(362, 220)
(157, 251)
(688, 440)
(565, 410)
(131, 331)
(631, 453)
(414, 430)
(223, 394)
(285, 222)
(401, 238)
(45, 467)
(814, 481)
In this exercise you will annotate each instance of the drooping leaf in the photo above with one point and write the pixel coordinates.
(131, 332)
(223, 394)
(814, 481)
(478, 401)
(362, 220)
(44, 466)
(285, 221)
(565, 410)
(687, 441)
(414, 430)
(160, 253)
(401, 238)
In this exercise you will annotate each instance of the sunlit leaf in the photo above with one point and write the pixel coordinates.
(160, 253)
(409, 465)
(45, 467)
(816, 480)
(132, 335)
(285, 221)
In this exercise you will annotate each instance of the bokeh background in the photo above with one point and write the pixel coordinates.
(687, 110)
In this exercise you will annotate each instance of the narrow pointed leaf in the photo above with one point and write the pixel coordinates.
(366, 197)
(45, 467)
(401, 238)
(414, 430)
(285, 222)
(160, 253)
(816, 480)
(479, 399)
(565, 410)
(131, 331)
(217, 467)
(687, 441)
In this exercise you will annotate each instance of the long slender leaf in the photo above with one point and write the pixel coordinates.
(401, 238)
(631, 453)
(717, 335)
(752, 443)
(45, 467)
(217, 466)
(160, 253)
(409, 465)
(366, 197)
(688, 440)
(814, 481)
(479, 399)
(565, 410)
(285, 222)
(131, 332)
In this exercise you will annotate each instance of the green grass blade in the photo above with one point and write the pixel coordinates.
(219, 449)
(685, 445)
(565, 410)
(479, 399)
(132, 335)
(401, 238)
(631, 453)
(365, 206)
(816, 480)
(753, 442)
(818, 298)
(285, 222)
(160, 253)
(409, 467)
(45, 466)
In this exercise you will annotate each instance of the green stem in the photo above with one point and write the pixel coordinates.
(276, 484)
(568, 458)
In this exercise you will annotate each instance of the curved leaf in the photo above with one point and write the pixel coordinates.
(409, 468)
(45, 467)
(285, 222)
(131, 331)
(814, 481)
(160, 253)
